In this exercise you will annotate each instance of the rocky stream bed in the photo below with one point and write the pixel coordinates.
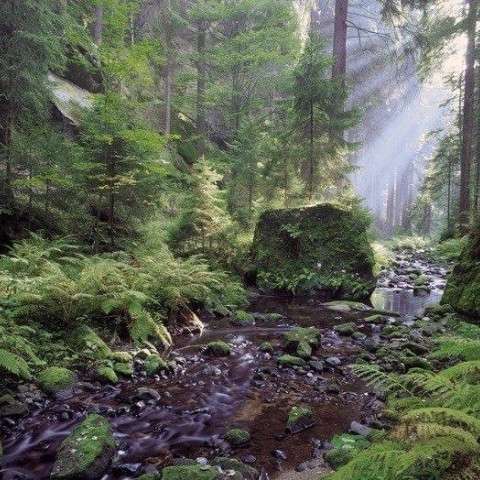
(187, 410)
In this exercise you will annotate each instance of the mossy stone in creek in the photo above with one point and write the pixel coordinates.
(345, 329)
(56, 379)
(154, 364)
(246, 471)
(299, 418)
(190, 472)
(87, 453)
(243, 319)
(266, 347)
(106, 374)
(377, 318)
(300, 341)
(218, 349)
(316, 250)
(338, 457)
(291, 361)
(120, 356)
(237, 437)
(125, 369)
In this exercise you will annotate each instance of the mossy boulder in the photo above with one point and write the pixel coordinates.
(291, 361)
(88, 342)
(155, 363)
(299, 341)
(87, 453)
(316, 250)
(237, 437)
(120, 356)
(122, 368)
(338, 457)
(299, 418)
(266, 347)
(56, 379)
(243, 319)
(345, 329)
(246, 471)
(463, 285)
(106, 374)
(218, 349)
(190, 472)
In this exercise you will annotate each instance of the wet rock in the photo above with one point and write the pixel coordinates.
(291, 361)
(299, 418)
(269, 317)
(242, 319)
(87, 452)
(249, 459)
(11, 407)
(125, 369)
(128, 468)
(299, 341)
(56, 379)
(266, 347)
(146, 394)
(333, 361)
(377, 319)
(218, 349)
(279, 454)
(237, 437)
(106, 374)
(359, 429)
(317, 365)
(154, 364)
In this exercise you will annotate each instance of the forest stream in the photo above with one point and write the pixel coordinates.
(186, 412)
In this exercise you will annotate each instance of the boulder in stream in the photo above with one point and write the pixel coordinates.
(190, 472)
(87, 453)
(299, 341)
(56, 379)
(299, 418)
(322, 250)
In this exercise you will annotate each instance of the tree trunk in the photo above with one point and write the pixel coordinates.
(340, 40)
(468, 118)
(201, 82)
(97, 29)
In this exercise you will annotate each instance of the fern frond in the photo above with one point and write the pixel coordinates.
(14, 364)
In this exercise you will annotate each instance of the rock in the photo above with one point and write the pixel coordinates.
(11, 407)
(125, 369)
(56, 379)
(154, 364)
(247, 472)
(269, 317)
(87, 453)
(106, 374)
(190, 472)
(346, 329)
(121, 356)
(317, 365)
(333, 361)
(237, 437)
(128, 468)
(243, 319)
(291, 361)
(299, 341)
(218, 349)
(249, 459)
(304, 247)
(143, 353)
(377, 319)
(360, 429)
(279, 454)
(146, 394)
(299, 418)
(266, 347)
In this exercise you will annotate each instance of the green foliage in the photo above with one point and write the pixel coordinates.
(55, 379)
(13, 364)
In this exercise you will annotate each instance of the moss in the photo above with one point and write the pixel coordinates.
(346, 329)
(87, 452)
(89, 342)
(243, 319)
(246, 471)
(55, 379)
(266, 347)
(338, 457)
(237, 437)
(125, 369)
(299, 341)
(106, 374)
(291, 361)
(190, 472)
(298, 418)
(218, 349)
(316, 249)
(154, 364)
(150, 476)
(121, 356)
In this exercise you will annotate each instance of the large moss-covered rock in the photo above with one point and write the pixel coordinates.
(322, 249)
(463, 286)
(190, 472)
(87, 452)
(56, 379)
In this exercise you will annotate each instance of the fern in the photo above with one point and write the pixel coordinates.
(457, 348)
(145, 328)
(389, 383)
(14, 364)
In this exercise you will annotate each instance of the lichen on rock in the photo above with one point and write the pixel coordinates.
(316, 250)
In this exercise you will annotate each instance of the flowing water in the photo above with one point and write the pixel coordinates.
(205, 396)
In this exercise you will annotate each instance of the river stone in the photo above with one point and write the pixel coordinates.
(146, 393)
(154, 364)
(106, 374)
(299, 341)
(242, 319)
(87, 453)
(291, 361)
(322, 249)
(359, 429)
(346, 329)
(218, 349)
(237, 437)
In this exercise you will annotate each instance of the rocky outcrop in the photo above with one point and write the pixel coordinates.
(321, 250)
(463, 285)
